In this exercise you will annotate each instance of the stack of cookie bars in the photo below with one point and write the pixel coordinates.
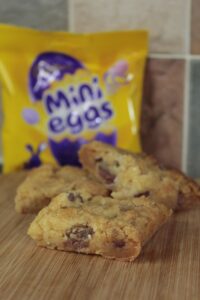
(111, 207)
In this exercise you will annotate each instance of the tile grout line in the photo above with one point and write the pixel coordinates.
(185, 115)
(188, 27)
(166, 56)
(174, 56)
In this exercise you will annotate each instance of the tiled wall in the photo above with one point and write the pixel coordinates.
(171, 104)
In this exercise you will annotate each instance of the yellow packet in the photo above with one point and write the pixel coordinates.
(61, 90)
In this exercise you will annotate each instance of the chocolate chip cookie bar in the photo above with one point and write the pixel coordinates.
(47, 181)
(127, 175)
(80, 222)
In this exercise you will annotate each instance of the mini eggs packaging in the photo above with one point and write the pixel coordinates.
(61, 90)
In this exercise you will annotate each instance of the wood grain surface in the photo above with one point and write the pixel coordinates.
(168, 268)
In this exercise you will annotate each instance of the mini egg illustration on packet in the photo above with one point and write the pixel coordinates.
(116, 76)
(30, 116)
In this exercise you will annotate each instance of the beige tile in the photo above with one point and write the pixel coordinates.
(162, 110)
(166, 20)
(41, 14)
(195, 27)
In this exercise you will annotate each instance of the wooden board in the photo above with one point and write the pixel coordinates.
(168, 268)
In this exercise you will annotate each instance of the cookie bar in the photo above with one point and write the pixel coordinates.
(47, 181)
(80, 222)
(128, 175)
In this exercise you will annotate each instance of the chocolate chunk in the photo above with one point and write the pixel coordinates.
(109, 193)
(145, 194)
(79, 236)
(117, 164)
(73, 197)
(75, 245)
(79, 198)
(99, 159)
(119, 243)
(106, 175)
(81, 231)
